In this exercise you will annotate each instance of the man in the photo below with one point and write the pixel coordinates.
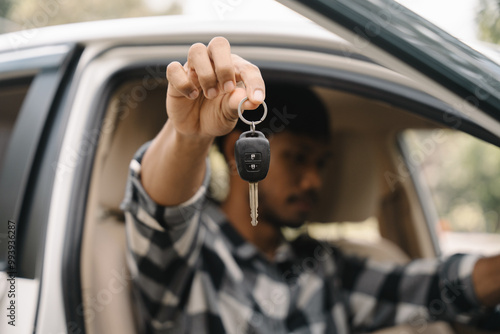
(201, 268)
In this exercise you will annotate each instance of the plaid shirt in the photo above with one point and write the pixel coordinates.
(194, 273)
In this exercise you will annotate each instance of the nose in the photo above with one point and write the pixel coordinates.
(311, 179)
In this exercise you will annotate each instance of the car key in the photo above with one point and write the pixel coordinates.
(252, 154)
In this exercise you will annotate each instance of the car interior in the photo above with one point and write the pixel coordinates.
(365, 147)
(12, 93)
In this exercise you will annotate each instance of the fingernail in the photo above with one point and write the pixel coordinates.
(193, 95)
(258, 95)
(228, 86)
(212, 93)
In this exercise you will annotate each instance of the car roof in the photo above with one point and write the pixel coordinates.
(182, 28)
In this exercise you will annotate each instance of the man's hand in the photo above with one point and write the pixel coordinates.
(486, 278)
(202, 103)
(202, 98)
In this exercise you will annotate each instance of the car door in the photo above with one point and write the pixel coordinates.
(33, 88)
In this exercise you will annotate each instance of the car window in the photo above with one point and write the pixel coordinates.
(12, 94)
(462, 174)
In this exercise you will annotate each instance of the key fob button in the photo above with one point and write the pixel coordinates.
(253, 156)
(252, 167)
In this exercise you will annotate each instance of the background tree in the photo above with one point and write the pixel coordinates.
(4, 11)
(488, 21)
(4, 7)
(462, 174)
(30, 14)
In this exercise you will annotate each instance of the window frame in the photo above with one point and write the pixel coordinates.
(27, 177)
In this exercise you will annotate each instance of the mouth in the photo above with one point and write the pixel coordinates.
(304, 202)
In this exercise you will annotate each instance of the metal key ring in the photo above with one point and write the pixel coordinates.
(252, 124)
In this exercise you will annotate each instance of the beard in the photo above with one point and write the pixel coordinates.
(270, 214)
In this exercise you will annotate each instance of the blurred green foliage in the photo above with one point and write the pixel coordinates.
(30, 14)
(4, 7)
(463, 174)
(488, 21)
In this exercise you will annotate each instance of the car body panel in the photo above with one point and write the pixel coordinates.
(26, 291)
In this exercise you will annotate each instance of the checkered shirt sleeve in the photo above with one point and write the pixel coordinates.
(384, 294)
(163, 243)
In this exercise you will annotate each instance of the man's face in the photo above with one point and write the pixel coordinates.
(290, 191)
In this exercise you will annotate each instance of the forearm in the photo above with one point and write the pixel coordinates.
(486, 278)
(173, 168)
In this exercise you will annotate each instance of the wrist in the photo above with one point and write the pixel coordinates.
(174, 161)
(188, 142)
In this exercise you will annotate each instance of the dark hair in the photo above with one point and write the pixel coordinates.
(291, 108)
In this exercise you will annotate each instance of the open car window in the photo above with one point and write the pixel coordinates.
(458, 175)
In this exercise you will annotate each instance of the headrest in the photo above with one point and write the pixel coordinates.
(351, 185)
(131, 123)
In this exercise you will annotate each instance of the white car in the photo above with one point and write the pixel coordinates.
(77, 101)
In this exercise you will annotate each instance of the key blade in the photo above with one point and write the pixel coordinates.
(256, 200)
(254, 203)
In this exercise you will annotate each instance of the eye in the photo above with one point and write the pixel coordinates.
(321, 164)
(323, 161)
(300, 158)
(296, 158)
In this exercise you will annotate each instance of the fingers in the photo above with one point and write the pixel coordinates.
(214, 70)
(252, 78)
(179, 79)
(219, 51)
(201, 65)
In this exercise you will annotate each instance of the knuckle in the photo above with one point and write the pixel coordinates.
(218, 42)
(184, 86)
(255, 68)
(249, 67)
(197, 48)
(207, 79)
(223, 70)
(172, 68)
